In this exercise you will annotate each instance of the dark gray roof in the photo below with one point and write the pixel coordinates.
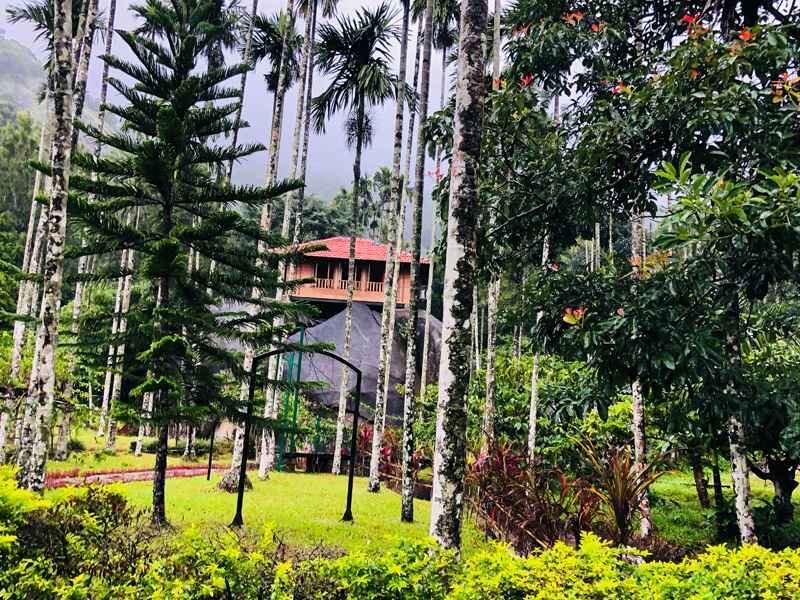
(364, 349)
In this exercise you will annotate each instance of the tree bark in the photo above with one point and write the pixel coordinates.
(351, 279)
(640, 450)
(159, 515)
(30, 259)
(449, 460)
(402, 220)
(147, 409)
(81, 73)
(300, 193)
(409, 392)
(700, 481)
(42, 394)
(190, 452)
(374, 484)
(740, 472)
(246, 51)
(493, 291)
(111, 361)
(231, 477)
(533, 413)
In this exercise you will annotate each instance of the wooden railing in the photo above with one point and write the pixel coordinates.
(341, 284)
(324, 283)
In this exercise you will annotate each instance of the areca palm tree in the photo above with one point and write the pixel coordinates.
(355, 52)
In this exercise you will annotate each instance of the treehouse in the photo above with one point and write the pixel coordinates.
(329, 270)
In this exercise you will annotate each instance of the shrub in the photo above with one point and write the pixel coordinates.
(528, 506)
(75, 445)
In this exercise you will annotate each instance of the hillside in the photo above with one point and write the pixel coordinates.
(21, 80)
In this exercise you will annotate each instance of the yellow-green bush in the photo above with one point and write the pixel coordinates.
(91, 545)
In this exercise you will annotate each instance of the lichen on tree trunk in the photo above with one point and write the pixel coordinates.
(450, 453)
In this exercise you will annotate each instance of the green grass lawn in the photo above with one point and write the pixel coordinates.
(94, 458)
(677, 513)
(305, 508)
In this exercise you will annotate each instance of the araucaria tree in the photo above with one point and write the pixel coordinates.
(355, 53)
(163, 165)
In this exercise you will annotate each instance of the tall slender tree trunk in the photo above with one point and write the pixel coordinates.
(42, 395)
(637, 404)
(147, 409)
(81, 72)
(267, 458)
(493, 291)
(29, 258)
(700, 481)
(388, 273)
(111, 361)
(533, 413)
(351, 280)
(300, 193)
(402, 219)
(740, 471)
(409, 392)
(246, 53)
(426, 332)
(230, 480)
(449, 459)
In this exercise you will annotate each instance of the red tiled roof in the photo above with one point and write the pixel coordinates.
(339, 247)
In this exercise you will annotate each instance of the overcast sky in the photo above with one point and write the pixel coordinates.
(330, 160)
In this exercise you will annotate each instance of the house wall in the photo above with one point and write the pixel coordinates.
(334, 287)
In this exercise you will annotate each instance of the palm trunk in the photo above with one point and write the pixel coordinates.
(248, 43)
(597, 246)
(409, 392)
(300, 193)
(351, 279)
(268, 442)
(30, 256)
(190, 452)
(449, 459)
(388, 273)
(147, 408)
(401, 225)
(111, 361)
(231, 477)
(533, 414)
(43, 386)
(426, 333)
(119, 353)
(493, 291)
(82, 72)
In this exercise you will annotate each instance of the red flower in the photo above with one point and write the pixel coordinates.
(598, 27)
(689, 19)
(746, 35)
(694, 73)
(621, 312)
(617, 89)
(554, 266)
(498, 83)
(526, 80)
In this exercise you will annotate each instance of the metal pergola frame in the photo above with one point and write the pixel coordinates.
(238, 521)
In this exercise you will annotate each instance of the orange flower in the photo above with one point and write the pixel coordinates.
(746, 35)
(498, 83)
(598, 27)
(526, 80)
(694, 73)
(574, 18)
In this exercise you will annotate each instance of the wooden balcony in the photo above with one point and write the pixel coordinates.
(333, 288)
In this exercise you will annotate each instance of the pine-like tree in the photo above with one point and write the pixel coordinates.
(163, 164)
